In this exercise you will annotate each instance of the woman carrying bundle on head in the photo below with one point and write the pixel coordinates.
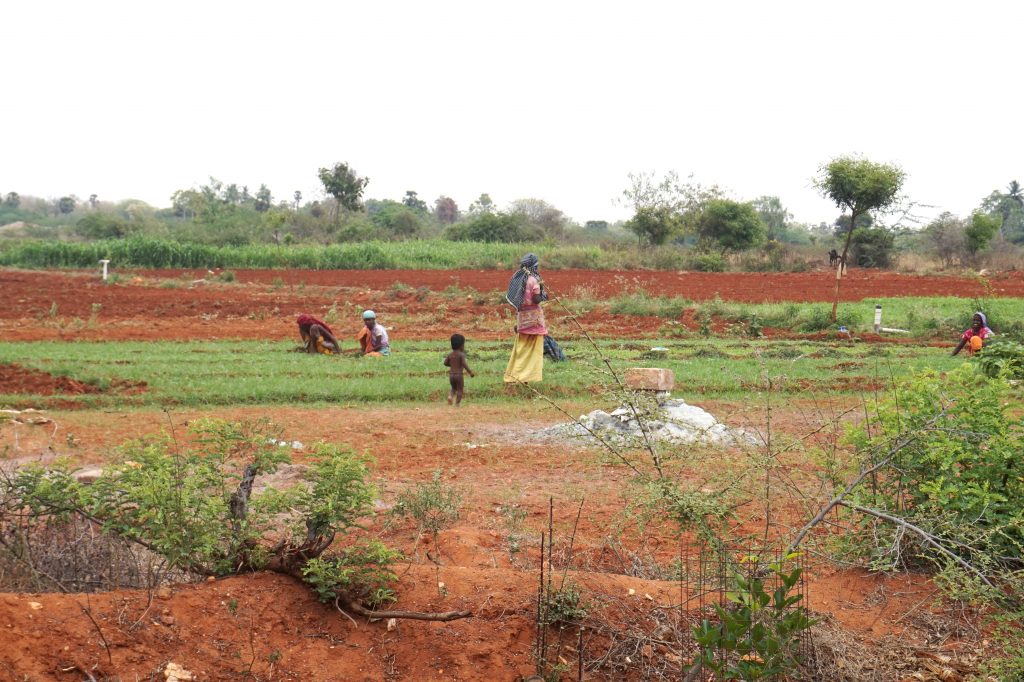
(317, 337)
(525, 294)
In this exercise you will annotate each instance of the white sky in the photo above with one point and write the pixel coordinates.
(553, 100)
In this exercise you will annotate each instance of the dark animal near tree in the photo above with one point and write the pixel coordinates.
(833, 258)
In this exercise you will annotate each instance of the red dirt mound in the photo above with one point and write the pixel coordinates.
(21, 380)
(16, 379)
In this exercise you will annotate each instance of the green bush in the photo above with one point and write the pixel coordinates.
(708, 262)
(957, 473)
(103, 226)
(871, 247)
(189, 502)
(433, 505)
(564, 606)
(396, 219)
(1002, 358)
(489, 227)
(361, 571)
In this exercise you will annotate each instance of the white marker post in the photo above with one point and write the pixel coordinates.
(104, 264)
(878, 319)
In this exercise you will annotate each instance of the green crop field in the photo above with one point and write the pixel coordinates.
(146, 252)
(223, 373)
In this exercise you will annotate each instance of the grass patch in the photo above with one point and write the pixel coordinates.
(642, 303)
(925, 317)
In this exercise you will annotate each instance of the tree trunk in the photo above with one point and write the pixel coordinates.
(842, 262)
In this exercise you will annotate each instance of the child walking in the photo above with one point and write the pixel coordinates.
(456, 364)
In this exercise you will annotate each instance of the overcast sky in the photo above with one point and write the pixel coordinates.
(552, 100)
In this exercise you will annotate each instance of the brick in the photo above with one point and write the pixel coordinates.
(650, 379)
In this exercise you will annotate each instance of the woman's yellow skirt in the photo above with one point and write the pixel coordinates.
(526, 363)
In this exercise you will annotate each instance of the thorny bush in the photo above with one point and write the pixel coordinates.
(958, 476)
(193, 504)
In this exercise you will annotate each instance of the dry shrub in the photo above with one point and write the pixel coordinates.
(917, 263)
(1003, 256)
(839, 656)
(629, 638)
(75, 556)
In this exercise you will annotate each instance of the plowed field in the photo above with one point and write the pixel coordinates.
(263, 303)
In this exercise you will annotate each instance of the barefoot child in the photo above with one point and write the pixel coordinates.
(456, 364)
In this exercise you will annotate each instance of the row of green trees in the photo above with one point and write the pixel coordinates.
(666, 210)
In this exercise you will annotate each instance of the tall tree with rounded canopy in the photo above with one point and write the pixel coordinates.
(730, 225)
(483, 205)
(413, 201)
(857, 185)
(264, 199)
(980, 231)
(773, 214)
(654, 225)
(66, 205)
(342, 183)
(1015, 194)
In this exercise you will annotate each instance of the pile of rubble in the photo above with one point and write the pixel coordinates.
(672, 422)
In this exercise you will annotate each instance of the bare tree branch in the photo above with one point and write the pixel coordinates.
(923, 534)
(408, 615)
(838, 499)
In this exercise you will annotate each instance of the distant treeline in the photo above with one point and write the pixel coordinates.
(676, 224)
(435, 254)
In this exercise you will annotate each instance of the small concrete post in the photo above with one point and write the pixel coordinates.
(104, 264)
(878, 319)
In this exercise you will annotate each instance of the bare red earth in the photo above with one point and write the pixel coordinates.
(180, 305)
(272, 628)
(15, 379)
(267, 627)
(747, 287)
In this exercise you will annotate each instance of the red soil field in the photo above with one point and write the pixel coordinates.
(264, 303)
(748, 287)
(267, 627)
